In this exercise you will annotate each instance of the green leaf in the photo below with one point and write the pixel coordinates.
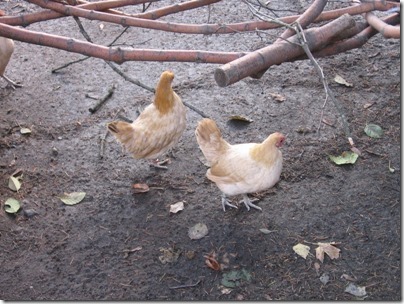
(346, 157)
(234, 278)
(14, 184)
(72, 198)
(373, 131)
(11, 205)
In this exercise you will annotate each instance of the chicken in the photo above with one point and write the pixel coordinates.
(158, 128)
(6, 50)
(242, 168)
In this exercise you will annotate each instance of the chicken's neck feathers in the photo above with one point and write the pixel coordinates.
(165, 97)
(265, 153)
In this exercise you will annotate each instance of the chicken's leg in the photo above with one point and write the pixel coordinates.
(225, 202)
(249, 203)
(11, 83)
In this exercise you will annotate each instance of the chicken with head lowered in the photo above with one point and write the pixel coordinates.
(241, 168)
(158, 128)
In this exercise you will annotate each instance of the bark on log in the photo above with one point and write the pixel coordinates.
(116, 54)
(388, 31)
(353, 42)
(280, 52)
(315, 9)
(27, 19)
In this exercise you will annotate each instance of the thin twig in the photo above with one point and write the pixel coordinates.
(126, 77)
(87, 57)
(303, 43)
(70, 63)
(103, 99)
(327, 89)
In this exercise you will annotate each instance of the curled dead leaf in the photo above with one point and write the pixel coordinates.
(140, 188)
(211, 262)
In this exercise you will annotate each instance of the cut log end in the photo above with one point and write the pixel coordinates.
(221, 78)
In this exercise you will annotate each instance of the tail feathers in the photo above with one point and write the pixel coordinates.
(122, 131)
(210, 140)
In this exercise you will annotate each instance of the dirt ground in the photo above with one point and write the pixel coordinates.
(119, 245)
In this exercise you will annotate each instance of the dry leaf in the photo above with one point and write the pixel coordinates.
(211, 262)
(338, 79)
(198, 231)
(348, 277)
(357, 291)
(240, 118)
(368, 105)
(225, 290)
(174, 208)
(170, 255)
(278, 97)
(329, 249)
(325, 278)
(72, 198)
(140, 188)
(356, 150)
(302, 250)
(14, 183)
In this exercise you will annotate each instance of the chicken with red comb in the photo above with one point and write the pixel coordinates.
(242, 168)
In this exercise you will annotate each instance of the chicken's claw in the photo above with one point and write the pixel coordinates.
(225, 203)
(249, 203)
(12, 84)
(159, 164)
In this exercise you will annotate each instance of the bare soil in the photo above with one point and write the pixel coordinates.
(109, 246)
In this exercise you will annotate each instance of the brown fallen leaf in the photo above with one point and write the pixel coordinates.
(329, 249)
(140, 188)
(211, 261)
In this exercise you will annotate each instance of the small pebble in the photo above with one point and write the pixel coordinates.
(30, 213)
(55, 151)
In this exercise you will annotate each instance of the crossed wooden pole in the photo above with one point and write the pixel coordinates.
(338, 33)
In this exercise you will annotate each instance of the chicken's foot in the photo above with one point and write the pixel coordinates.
(225, 202)
(159, 164)
(249, 202)
(11, 83)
